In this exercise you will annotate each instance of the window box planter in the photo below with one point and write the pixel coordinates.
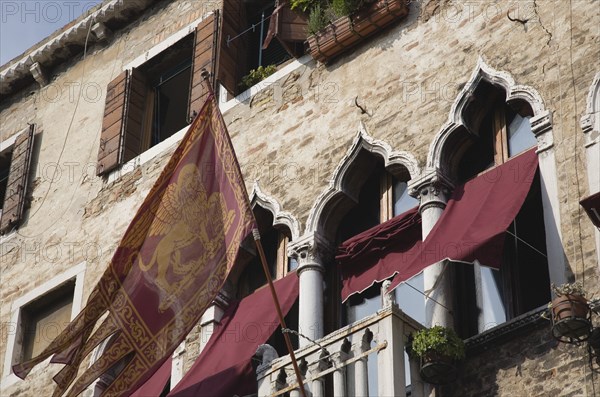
(348, 31)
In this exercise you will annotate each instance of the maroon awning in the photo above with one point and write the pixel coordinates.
(359, 258)
(478, 213)
(157, 382)
(471, 227)
(224, 367)
(591, 205)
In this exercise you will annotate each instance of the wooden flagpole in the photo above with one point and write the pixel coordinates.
(206, 76)
(286, 336)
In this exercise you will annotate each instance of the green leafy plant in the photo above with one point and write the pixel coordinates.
(257, 75)
(568, 289)
(317, 20)
(340, 8)
(304, 5)
(443, 341)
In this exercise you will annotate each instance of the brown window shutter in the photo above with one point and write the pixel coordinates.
(231, 58)
(109, 153)
(136, 140)
(16, 189)
(124, 114)
(205, 55)
(288, 27)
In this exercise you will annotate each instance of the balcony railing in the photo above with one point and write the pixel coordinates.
(339, 362)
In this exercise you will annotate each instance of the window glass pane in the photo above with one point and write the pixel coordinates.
(410, 298)
(520, 136)
(402, 200)
(492, 295)
(366, 307)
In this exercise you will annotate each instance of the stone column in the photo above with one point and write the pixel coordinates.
(591, 129)
(310, 251)
(541, 126)
(433, 190)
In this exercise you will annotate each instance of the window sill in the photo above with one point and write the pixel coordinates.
(507, 330)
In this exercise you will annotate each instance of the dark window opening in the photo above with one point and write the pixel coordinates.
(498, 131)
(5, 159)
(273, 242)
(490, 297)
(45, 318)
(168, 78)
(257, 12)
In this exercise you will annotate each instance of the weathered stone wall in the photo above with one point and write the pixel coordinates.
(292, 135)
(530, 363)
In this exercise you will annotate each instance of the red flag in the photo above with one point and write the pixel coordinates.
(173, 259)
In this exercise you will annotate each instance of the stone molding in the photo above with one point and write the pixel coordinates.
(590, 121)
(269, 203)
(311, 251)
(432, 189)
(482, 72)
(337, 186)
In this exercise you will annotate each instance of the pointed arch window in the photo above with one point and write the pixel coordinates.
(499, 131)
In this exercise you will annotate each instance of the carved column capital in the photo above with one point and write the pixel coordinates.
(587, 125)
(541, 126)
(311, 251)
(433, 189)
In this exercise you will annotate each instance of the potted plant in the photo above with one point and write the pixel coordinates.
(336, 25)
(570, 313)
(439, 350)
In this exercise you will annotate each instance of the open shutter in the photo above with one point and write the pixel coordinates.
(123, 120)
(205, 55)
(109, 153)
(232, 53)
(14, 201)
(288, 27)
(135, 111)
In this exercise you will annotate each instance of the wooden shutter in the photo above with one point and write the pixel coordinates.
(16, 189)
(123, 120)
(112, 126)
(289, 27)
(205, 55)
(134, 141)
(232, 54)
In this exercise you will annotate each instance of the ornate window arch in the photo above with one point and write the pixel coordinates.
(484, 117)
(348, 177)
(590, 124)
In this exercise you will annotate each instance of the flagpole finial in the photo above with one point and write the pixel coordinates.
(205, 74)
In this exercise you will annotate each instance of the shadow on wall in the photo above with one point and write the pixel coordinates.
(521, 365)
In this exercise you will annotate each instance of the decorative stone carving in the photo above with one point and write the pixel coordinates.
(340, 186)
(38, 74)
(283, 218)
(541, 126)
(101, 32)
(455, 118)
(311, 251)
(433, 189)
(267, 354)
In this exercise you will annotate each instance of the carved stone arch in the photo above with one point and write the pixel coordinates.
(280, 218)
(345, 184)
(454, 132)
(590, 124)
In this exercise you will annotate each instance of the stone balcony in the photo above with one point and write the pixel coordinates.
(342, 362)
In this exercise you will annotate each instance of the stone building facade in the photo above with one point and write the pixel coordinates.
(308, 139)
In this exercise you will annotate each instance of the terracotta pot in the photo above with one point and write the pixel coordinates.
(567, 306)
(570, 318)
(348, 31)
